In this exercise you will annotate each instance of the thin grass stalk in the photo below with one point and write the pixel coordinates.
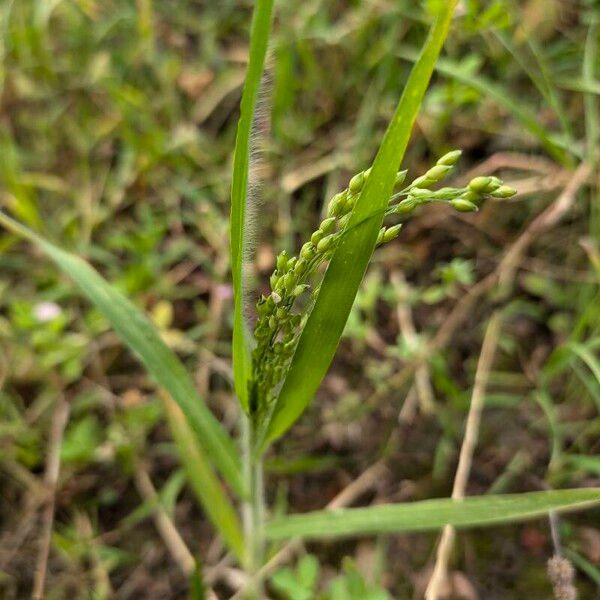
(253, 511)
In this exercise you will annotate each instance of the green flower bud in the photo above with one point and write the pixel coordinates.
(438, 172)
(262, 308)
(317, 236)
(450, 158)
(348, 204)
(300, 267)
(307, 251)
(480, 184)
(289, 281)
(368, 172)
(504, 191)
(327, 225)
(291, 263)
(344, 221)
(299, 290)
(418, 192)
(471, 196)
(462, 205)
(400, 177)
(282, 262)
(380, 236)
(407, 205)
(281, 313)
(421, 182)
(336, 204)
(274, 279)
(272, 322)
(357, 182)
(325, 243)
(391, 233)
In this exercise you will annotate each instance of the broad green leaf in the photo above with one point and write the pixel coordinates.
(321, 335)
(204, 483)
(430, 514)
(139, 334)
(259, 39)
(526, 116)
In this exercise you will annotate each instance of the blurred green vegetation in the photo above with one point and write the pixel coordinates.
(116, 133)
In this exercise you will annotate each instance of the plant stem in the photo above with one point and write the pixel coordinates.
(253, 508)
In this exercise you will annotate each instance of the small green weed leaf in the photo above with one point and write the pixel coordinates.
(321, 335)
(139, 334)
(430, 514)
(259, 38)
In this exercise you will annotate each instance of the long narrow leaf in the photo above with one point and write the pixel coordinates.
(141, 337)
(205, 484)
(259, 37)
(321, 335)
(430, 514)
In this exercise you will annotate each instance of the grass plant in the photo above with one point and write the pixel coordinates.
(280, 359)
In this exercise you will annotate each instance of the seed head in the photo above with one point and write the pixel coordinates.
(450, 158)
(561, 574)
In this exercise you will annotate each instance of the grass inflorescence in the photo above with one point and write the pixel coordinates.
(282, 312)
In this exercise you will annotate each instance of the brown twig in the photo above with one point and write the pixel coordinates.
(165, 526)
(486, 358)
(57, 429)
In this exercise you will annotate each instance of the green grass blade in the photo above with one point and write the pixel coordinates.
(430, 514)
(141, 337)
(590, 60)
(203, 481)
(321, 335)
(259, 38)
(520, 112)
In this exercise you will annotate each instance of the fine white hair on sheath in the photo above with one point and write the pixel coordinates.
(257, 168)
